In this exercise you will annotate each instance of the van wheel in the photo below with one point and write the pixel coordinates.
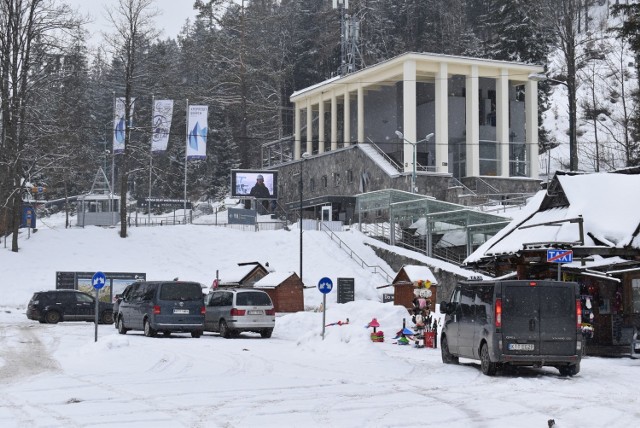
(569, 370)
(447, 358)
(148, 331)
(196, 334)
(166, 333)
(121, 328)
(224, 329)
(266, 333)
(488, 368)
(52, 317)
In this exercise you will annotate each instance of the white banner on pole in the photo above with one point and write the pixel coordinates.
(197, 137)
(162, 114)
(118, 124)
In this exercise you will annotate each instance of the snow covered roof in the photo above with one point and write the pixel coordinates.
(606, 202)
(273, 279)
(418, 272)
(236, 274)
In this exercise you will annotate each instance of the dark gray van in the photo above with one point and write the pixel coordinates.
(166, 306)
(514, 322)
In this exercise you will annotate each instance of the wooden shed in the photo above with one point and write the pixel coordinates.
(411, 278)
(285, 289)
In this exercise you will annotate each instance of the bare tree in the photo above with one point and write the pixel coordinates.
(133, 24)
(30, 30)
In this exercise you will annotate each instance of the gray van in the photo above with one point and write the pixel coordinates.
(514, 322)
(165, 306)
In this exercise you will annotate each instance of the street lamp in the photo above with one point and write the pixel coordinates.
(305, 156)
(415, 147)
(571, 94)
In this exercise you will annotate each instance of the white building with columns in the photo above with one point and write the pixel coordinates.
(431, 114)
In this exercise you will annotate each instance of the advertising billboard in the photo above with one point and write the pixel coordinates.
(254, 184)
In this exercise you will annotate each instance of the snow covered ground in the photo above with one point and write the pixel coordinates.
(58, 376)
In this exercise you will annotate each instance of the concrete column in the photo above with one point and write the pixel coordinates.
(321, 126)
(409, 113)
(502, 121)
(360, 114)
(334, 122)
(297, 133)
(347, 116)
(531, 117)
(472, 123)
(442, 119)
(309, 127)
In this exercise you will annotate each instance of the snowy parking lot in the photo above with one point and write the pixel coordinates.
(57, 376)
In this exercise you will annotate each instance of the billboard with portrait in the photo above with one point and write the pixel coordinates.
(254, 184)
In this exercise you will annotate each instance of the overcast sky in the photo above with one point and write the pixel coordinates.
(174, 13)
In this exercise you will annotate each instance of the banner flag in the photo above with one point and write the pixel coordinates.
(197, 137)
(162, 114)
(118, 124)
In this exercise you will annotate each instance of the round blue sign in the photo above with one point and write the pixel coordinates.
(98, 280)
(325, 285)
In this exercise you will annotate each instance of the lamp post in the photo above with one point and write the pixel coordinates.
(304, 157)
(571, 94)
(415, 147)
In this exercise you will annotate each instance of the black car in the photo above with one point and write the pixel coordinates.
(54, 306)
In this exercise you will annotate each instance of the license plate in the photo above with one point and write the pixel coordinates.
(521, 346)
(181, 311)
(255, 312)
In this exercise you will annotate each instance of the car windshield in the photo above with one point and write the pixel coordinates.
(253, 298)
(181, 291)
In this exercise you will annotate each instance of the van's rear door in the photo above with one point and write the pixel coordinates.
(520, 318)
(558, 323)
(539, 317)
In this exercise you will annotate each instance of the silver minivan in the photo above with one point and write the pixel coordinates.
(235, 310)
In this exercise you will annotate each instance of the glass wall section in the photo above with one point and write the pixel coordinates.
(489, 152)
(489, 158)
(518, 159)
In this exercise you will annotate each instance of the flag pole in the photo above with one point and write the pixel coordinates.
(186, 149)
(113, 160)
(153, 108)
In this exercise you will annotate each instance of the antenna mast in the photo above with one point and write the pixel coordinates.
(350, 58)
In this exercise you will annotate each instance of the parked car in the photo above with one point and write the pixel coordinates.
(235, 310)
(165, 306)
(518, 323)
(53, 306)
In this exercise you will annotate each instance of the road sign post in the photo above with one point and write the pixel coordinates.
(97, 281)
(325, 285)
(559, 257)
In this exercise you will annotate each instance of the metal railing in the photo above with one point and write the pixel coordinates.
(352, 254)
(385, 156)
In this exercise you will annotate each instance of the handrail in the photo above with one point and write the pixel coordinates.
(385, 156)
(491, 189)
(376, 268)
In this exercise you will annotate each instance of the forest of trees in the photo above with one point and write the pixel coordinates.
(244, 58)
